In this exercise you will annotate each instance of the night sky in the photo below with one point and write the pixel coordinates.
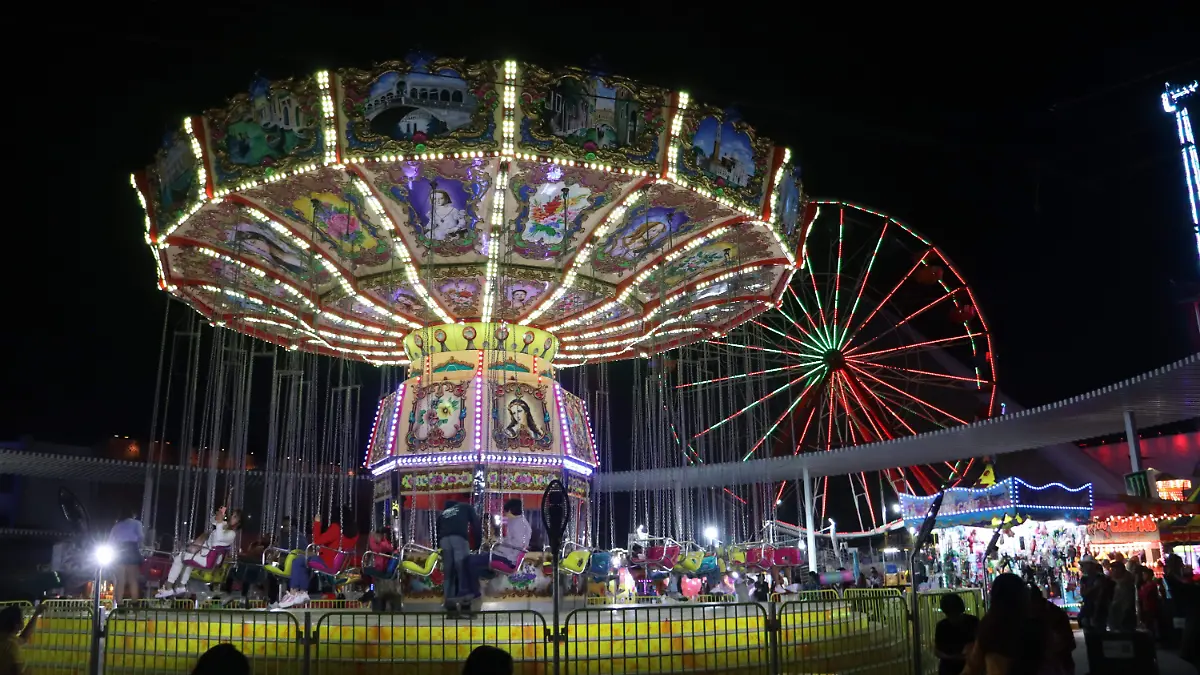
(1040, 162)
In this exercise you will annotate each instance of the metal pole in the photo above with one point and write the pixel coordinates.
(557, 600)
(1135, 448)
(919, 542)
(808, 521)
(97, 627)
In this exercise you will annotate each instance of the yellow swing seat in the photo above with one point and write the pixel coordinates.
(692, 561)
(422, 569)
(285, 571)
(575, 562)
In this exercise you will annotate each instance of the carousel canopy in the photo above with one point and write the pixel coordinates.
(339, 212)
(1163, 396)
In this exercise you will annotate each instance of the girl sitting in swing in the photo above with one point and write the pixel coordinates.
(223, 535)
(333, 539)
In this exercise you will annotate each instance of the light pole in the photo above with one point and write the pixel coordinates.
(104, 555)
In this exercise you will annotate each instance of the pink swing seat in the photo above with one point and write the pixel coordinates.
(212, 561)
(500, 565)
(317, 564)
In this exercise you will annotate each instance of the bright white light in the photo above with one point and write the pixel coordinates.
(105, 555)
(831, 523)
(496, 519)
(710, 533)
(895, 508)
(890, 549)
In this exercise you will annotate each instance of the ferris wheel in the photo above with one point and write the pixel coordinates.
(878, 336)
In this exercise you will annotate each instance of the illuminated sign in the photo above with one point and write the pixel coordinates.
(1123, 531)
(1172, 99)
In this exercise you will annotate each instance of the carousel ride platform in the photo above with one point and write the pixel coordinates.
(801, 637)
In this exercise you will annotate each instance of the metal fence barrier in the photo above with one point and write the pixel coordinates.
(842, 636)
(669, 639)
(423, 643)
(62, 639)
(142, 641)
(929, 605)
(863, 631)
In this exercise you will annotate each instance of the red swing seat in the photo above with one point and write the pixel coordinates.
(762, 558)
(664, 557)
(787, 557)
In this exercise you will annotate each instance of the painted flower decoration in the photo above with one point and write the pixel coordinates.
(445, 410)
(342, 226)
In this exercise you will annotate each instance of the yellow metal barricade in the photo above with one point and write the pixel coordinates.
(153, 641)
(819, 636)
(929, 605)
(424, 643)
(725, 638)
(62, 639)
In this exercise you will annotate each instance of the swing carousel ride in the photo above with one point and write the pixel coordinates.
(499, 233)
(485, 225)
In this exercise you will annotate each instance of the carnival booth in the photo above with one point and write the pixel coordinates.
(1130, 536)
(1042, 532)
(1146, 528)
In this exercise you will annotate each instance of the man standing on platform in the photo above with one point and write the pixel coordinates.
(455, 525)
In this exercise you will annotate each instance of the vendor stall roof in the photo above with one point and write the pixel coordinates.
(1007, 499)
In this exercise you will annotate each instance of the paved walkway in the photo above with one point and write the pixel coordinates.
(1169, 662)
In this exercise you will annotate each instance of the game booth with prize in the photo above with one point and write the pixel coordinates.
(1039, 532)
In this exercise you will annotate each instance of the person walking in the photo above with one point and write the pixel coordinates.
(1096, 590)
(954, 635)
(456, 524)
(126, 539)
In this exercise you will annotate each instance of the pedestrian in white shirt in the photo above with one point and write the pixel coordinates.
(223, 535)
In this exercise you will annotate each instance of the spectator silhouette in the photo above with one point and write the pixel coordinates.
(1009, 639)
(488, 660)
(224, 659)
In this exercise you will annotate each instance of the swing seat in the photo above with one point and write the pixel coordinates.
(760, 558)
(214, 559)
(275, 569)
(371, 565)
(787, 557)
(662, 557)
(692, 562)
(425, 568)
(575, 562)
(709, 564)
(600, 565)
(212, 568)
(500, 565)
(318, 565)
